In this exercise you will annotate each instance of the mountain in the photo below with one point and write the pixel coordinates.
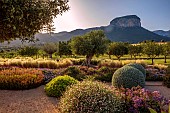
(126, 29)
(162, 33)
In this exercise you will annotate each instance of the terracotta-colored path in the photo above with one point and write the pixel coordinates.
(27, 101)
(36, 101)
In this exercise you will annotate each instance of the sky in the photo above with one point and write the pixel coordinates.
(154, 14)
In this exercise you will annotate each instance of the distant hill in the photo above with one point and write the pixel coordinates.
(126, 29)
(162, 33)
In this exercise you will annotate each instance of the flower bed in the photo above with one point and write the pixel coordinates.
(20, 78)
(138, 100)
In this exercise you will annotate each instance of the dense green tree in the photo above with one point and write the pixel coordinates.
(165, 50)
(90, 44)
(152, 50)
(28, 51)
(134, 50)
(118, 49)
(50, 48)
(64, 49)
(23, 18)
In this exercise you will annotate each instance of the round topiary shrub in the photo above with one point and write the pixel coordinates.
(90, 97)
(57, 86)
(139, 67)
(128, 77)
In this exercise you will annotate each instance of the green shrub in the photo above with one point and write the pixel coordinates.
(90, 97)
(128, 77)
(20, 78)
(166, 78)
(105, 74)
(139, 67)
(57, 86)
(104, 78)
(74, 72)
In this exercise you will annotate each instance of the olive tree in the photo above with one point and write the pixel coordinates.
(50, 48)
(90, 44)
(118, 49)
(23, 18)
(152, 50)
(134, 50)
(28, 51)
(165, 50)
(64, 49)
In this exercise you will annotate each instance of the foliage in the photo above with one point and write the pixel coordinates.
(64, 49)
(135, 50)
(38, 63)
(128, 77)
(24, 18)
(8, 54)
(90, 44)
(152, 50)
(152, 77)
(110, 63)
(139, 67)
(74, 72)
(138, 100)
(20, 78)
(160, 66)
(57, 86)
(105, 74)
(80, 61)
(90, 97)
(165, 50)
(118, 49)
(48, 75)
(154, 111)
(28, 51)
(50, 48)
(166, 79)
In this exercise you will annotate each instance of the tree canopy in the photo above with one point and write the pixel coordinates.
(64, 49)
(50, 48)
(152, 50)
(118, 49)
(90, 44)
(23, 18)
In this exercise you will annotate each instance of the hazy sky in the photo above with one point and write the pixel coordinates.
(154, 14)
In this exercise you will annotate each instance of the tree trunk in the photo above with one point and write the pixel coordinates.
(88, 59)
(165, 60)
(135, 58)
(118, 58)
(109, 56)
(152, 61)
(50, 55)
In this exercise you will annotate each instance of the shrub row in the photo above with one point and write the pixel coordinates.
(30, 63)
(166, 79)
(19, 78)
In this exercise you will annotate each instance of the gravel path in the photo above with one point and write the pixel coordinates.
(157, 86)
(36, 101)
(27, 101)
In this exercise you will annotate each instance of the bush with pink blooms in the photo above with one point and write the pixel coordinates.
(138, 100)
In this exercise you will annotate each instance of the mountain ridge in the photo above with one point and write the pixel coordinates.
(126, 29)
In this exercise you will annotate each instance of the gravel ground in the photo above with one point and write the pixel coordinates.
(157, 86)
(36, 101)
(27, 101)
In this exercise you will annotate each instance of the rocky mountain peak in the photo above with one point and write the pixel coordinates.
(126, 21)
